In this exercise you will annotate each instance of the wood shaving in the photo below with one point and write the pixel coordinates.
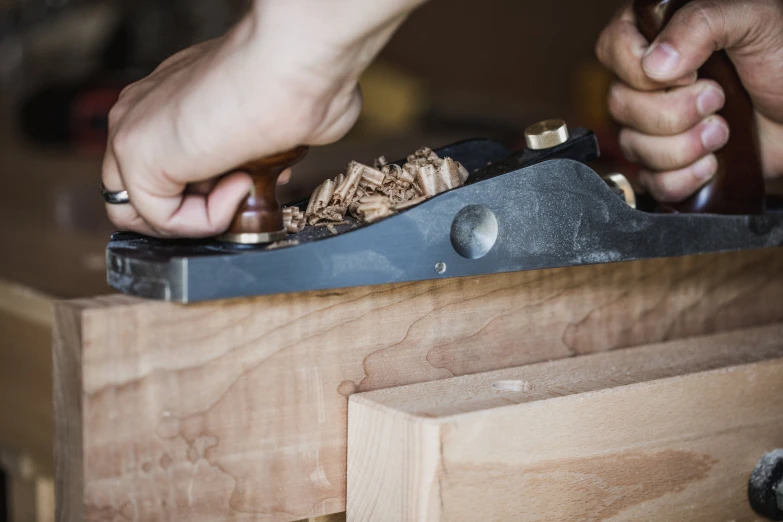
(293, 220)
(370, 193)
(410, 203)
(283, 244)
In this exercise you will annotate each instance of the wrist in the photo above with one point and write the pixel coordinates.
(338, 23)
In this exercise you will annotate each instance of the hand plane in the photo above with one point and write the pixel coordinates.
(525, 210)
(541, 207)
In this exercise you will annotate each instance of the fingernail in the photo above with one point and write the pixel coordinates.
(661, 61)
(710, 101)
(706, 167)
(714, 135)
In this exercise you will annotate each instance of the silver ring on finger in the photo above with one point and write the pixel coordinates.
(115, 198)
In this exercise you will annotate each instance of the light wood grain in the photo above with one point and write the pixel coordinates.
(662, 432)
(239, 408)
(26, 373)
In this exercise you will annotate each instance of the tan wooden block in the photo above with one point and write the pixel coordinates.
(239, 408)
(661, 432)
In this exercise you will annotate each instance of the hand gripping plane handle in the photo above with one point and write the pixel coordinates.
(259, 219)
(738, 187)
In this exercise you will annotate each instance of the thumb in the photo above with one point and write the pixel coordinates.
(694, 33)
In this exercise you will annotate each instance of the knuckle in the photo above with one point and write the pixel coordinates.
(116, 113)
(122, 106)
(124, 140)
(127, 91)
(168, 62)
(601, 49)
(704, 19)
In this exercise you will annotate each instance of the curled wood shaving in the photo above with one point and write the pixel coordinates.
(427, 178)
(373, 177)
(410, 203)
(370, 193)
(380, 162)
(373, 208)
(293, 220)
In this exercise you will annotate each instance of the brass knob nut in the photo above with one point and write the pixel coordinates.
(259, 219)
(546, 134)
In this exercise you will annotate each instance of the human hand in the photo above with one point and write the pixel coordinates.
(286, 75)
(669, 119)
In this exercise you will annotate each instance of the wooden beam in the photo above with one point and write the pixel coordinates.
(239, 408)
(664, 432)
(26, 413)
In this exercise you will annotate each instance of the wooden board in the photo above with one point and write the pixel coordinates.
(662, 432)
(239, 408)
(26, 413)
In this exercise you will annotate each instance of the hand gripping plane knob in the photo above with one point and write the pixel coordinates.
(259, 219)
(738, 185)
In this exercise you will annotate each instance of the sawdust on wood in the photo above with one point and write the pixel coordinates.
(372, 193)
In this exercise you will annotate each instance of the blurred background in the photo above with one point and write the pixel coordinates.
(457, 69)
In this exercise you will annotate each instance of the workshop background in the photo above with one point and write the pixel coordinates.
(457, 69)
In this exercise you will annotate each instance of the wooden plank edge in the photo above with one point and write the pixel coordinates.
(541, 381)
(68, 413)
(384, 441)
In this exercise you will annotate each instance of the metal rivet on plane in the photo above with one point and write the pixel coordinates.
(440, 267)
(546, 134)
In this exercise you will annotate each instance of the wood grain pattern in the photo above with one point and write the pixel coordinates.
(68, 413)
(238, 409)
(26, 411)
(661, 432)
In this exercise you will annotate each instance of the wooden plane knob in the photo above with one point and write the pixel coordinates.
(259, 219)
(738, 186)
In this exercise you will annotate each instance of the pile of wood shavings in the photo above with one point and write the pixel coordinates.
(372, 193)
